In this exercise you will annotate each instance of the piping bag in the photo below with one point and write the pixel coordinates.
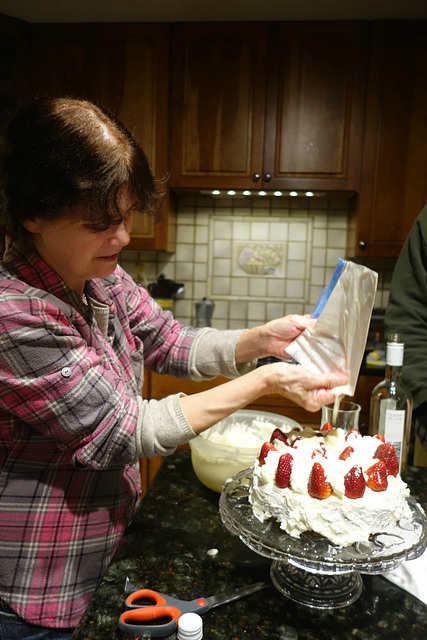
(343, 314)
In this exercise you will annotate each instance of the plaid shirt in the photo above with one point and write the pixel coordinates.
(68, 413)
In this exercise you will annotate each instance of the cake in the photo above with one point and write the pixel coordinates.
(342, 486)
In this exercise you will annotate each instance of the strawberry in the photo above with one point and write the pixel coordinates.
(265, 449)
(318, 487)
(278, 435)
(385, 452)
(354, 483)
(379, 436)
(318, 453)
(377, 476)
(346, 453)
(327, 427)
(353, 432)
(321, 451)
(295, 444)
(284, 469)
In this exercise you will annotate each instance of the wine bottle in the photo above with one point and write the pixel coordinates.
(391, 403)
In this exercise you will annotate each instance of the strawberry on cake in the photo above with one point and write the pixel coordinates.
(343, 486)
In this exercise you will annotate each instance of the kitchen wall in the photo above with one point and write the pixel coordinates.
(256, 259)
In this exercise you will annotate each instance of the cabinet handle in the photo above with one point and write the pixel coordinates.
(362, 245)
(256, 177)
(267, 177)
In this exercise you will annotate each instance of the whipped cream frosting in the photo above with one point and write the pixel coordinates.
(340, 519)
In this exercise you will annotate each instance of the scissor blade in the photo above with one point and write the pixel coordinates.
(234, 594)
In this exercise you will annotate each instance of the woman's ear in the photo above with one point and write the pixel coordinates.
(32, 225)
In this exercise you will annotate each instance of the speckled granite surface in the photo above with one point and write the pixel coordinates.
(166, 548)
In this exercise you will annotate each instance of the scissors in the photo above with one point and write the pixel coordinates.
(151, 614)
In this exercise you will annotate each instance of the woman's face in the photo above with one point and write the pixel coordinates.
(77, 252)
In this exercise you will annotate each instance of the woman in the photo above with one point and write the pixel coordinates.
(77, 333)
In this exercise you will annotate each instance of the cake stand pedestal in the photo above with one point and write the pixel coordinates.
(310, 569)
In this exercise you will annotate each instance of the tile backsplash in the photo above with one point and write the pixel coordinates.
(256, 259)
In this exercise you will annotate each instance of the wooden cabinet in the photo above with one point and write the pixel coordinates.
(134, 85)
(14, 77)
(65, 60)
(393, 187)
(315, 101)
(278, 106)
(217, 104)
(124, 68)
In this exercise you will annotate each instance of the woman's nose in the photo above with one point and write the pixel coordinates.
(122, 231)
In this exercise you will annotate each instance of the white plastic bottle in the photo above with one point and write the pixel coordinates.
(391, 403)
(190, 627)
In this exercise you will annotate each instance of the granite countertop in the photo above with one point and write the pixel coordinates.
(169, 547)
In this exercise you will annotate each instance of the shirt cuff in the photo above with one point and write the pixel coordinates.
(213, 353)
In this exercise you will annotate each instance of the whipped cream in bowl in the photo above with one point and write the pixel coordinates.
(232, 444)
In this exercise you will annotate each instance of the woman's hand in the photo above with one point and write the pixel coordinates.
(271, 339)
(310, 390)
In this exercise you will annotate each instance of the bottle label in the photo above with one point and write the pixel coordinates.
(394, 429)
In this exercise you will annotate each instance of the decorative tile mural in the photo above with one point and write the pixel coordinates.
(271, 251)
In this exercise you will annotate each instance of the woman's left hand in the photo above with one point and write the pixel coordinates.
(271, 339)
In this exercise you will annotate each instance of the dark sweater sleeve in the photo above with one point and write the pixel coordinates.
(407, 308)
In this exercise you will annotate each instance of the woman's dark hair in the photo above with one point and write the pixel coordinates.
(61, 152)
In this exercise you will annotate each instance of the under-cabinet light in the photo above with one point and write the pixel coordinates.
(231, 192)
(262, 193)
(309, 194)
(215, 192)
(277, 193)
(246, 193)
(293, 193)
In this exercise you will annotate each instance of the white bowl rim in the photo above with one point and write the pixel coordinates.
(202, 441)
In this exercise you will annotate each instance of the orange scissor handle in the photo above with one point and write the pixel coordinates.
(156, 621)
(153, 597)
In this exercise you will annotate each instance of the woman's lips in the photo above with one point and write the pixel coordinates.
(112, 258)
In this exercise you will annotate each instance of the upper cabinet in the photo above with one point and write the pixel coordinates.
(277, 106)
(14, 76)
(124, 68)
(65, 60)
(217, 104)
(134, 85)
(393, 188)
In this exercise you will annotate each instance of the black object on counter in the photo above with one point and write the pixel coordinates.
(177, 544)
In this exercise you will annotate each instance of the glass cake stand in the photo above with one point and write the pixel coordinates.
(310, 569)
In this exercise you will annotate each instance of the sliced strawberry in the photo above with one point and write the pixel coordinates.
(318, 487)
(318, 453)
(379, 436)
(327, 427)
(354, 483)
(278, 435)
(284, 469)
(295, 443)
(377, 476)
(321, 451)
(346, 453)
(353, 432)
(265, 450)
(385, 452)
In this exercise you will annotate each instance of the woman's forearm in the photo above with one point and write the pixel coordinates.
(307, 389)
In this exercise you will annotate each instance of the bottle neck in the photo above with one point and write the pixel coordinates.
(394, 360)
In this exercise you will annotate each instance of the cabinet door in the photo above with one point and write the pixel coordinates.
(394, 174)
(65, 60)
(315, 103)
(217, 107)
(134, 85)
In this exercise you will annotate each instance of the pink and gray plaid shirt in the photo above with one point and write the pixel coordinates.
(68, 413)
